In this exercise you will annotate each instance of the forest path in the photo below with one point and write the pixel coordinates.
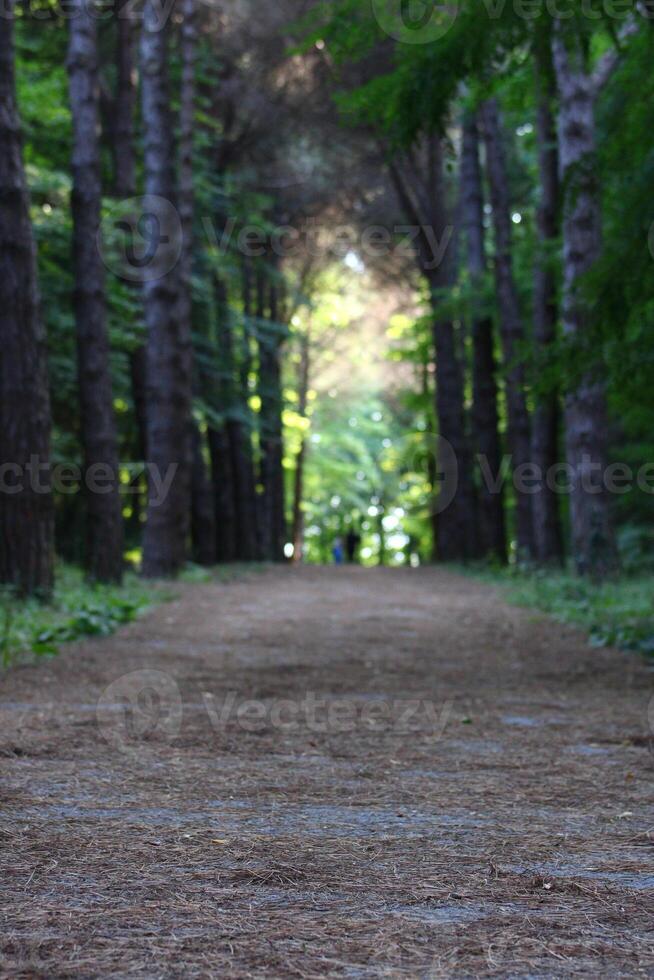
(431, 784)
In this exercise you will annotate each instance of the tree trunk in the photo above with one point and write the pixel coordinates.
(247, 545)
(124, 105)
(223, 493)
(138, 384)
(104, 522)
(272, 473)
(492, 530)
(26, 516)
(424, 203)
(168, 381)
(382, 556)
(124, 159)
(548, 538)
(233, 404)
(457, 530)
(512, 328)
(203, 517)
(456, 520)
(251, 537)
(300, 458)
(186, 207)
(432, 468)
(593, 542)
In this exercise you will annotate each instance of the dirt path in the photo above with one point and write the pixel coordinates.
(428, 784)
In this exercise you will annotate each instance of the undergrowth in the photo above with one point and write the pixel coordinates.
(79, 608)
(616, 613)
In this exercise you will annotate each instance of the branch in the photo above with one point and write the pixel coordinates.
(610, 61)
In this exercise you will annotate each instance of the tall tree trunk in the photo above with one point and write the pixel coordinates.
(250, 538)
(124, 159)
(423, 201)
(593, 542)
(432, 467)
(300, 458)
(457, 526)
(247, 546)
(214, 386)
(511, 324)
(381, 533)
(186, 206)
(548, 539)
(104, 522)
(138, 383)
(222, 481)
(26, 516)
(233, 404)
(456, 520)
(203, 514)
(168, 381)
(124, 104)
(492, 530)
(272, 473)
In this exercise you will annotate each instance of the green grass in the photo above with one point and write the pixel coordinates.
(78, 608)
(617, 613)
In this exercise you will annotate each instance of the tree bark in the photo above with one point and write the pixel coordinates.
(168, 381)
(432, 467)
(423, 201)
(124, 161)
(203, 517)
(593, 542)
(222, 481)
(382, 556)
(104, 522)
(548, 538)
(124, 104)
(26, 516)
(186, 205)
(233, 404)
(251, 534)
(492, 529)
(300, 458)
(511, 325)
(247, 545)
(272, 451)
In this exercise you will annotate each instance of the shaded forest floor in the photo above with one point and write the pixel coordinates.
(429, 784)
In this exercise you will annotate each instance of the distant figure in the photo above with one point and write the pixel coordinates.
(352, 542)
(337, 551)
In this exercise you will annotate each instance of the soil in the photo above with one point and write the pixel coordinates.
(328, 773)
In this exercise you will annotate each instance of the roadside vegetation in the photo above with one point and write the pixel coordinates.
(618, 612)
(78, 608)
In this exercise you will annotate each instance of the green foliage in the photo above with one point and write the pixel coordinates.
(77, 609)
(619, 613)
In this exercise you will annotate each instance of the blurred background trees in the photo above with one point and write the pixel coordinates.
(322, 249)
